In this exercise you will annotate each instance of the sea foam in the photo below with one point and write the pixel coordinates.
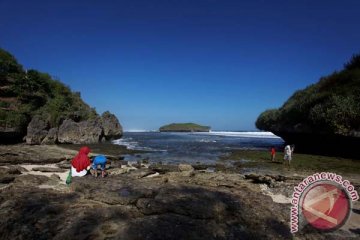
(241, 134)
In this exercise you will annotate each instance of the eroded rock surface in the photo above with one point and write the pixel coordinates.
(127, 204)
(36, 130)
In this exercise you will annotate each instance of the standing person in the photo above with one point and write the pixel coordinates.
(99, 160)
(272, 152)
(287, 154)
(81, 163)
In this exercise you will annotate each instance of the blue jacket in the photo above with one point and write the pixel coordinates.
(100, 159)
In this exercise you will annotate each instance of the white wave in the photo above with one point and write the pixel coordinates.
(242, 134)
(133, 145)
(126, 142)
(207, 141)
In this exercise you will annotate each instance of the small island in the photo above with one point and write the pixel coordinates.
(184, 127)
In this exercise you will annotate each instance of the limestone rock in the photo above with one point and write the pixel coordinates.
(186, 168)
(68, 131)
(36, 130)
(51, 137)
(111, 125)
(79, 133)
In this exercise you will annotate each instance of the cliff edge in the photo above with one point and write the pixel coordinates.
(322, 118)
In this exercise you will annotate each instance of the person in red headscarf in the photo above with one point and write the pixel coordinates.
(80, 163)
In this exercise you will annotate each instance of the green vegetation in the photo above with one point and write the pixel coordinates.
(184, 127)
(300, 162)
(329, 106)
(28, 93)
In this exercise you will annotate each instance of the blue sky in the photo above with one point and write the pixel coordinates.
(215, 62)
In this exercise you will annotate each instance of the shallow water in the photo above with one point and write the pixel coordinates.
(193, 148)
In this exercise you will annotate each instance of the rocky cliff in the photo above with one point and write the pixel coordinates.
(322, 118)
(89, 131)
(36, 108)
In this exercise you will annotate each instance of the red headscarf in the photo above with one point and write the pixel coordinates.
(81, 161)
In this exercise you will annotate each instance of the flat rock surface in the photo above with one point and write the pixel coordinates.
(49, 169)
(44, 154)
(127, 204)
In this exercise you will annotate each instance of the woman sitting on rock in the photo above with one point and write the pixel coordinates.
(81, 163)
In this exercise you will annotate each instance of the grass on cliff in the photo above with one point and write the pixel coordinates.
(329, 106)
(300, 162)
(25, 93)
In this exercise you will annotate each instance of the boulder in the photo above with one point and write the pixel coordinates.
(36, 130)
(112, 127)
(51, 137)
(80, 133)
(69, 132)
(185, 168)
(91, 131)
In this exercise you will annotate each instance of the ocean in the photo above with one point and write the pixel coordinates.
(204, 148)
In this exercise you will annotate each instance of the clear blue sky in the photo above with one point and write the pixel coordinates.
(214, 62)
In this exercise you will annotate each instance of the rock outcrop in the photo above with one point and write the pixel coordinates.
(322, 118)
(51, 137)
(32, 102)
(111, 125)
(36, 130)
(96, 130)
(83, 132)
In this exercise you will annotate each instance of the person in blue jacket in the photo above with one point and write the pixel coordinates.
(99, 160)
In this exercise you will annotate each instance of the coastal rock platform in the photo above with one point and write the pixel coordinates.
(141, 203)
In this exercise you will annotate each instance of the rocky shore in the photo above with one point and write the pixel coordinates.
(141, 200)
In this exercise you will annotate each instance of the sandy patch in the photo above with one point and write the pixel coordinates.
(29, 167)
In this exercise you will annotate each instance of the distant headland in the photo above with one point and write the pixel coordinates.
(184, 127)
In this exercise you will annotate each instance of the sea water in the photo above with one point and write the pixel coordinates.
(204, 148)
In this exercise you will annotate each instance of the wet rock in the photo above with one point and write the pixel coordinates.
(202, 166)
(163, 168)
(140, 173)
(117, 163)
(220, 167)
